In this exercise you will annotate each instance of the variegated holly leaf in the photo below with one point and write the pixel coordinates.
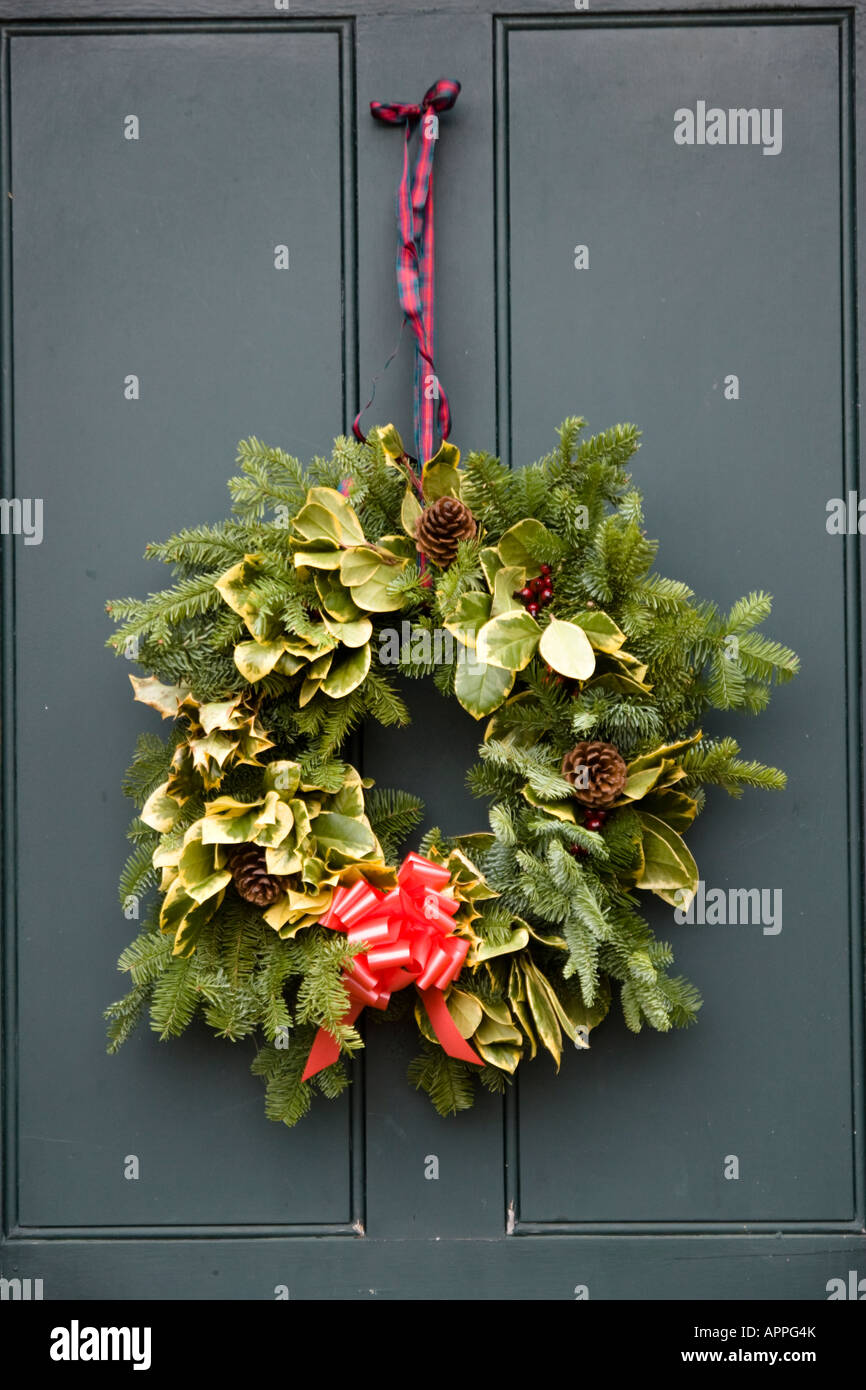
(161, 810)
(567, 649)
(257, 659)
(165, 698)
(675, 808)
(509, 640)
(481, 688)
(669, 870)
(523, 542)
(602, 631)
(326, 516)
(440, 476)
(470, 613)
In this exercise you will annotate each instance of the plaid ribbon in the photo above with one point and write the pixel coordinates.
(415, 256)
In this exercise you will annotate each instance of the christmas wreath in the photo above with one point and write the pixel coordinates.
(530, 598)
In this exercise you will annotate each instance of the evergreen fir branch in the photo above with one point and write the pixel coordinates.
(490, 493)
(269, 477)
(329, 774)
(494, 1079)
(333, 1081)
(463, 575)
(206, 547)
(231, 1010)
(124, 1015)
(175, 998)
(238, 931)
(287, 1097)
(683, 1000)
(614, 446)
(274, 970)
(535, 766)
(726, 684)
(569, 439)
(446, 1080)
(765, 660)
(147, 957)
(393, 816)
(320, 957)
(382, 700)
(159, 613)
(749, 612)
(149, 767)
(139, 875)
(715, 761)
(659, 593)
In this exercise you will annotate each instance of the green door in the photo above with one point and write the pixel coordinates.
(199, 237)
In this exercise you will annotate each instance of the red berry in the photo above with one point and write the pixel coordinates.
(593, 822)
(578, 851)
(545, 570)
(532, 609)
(545, 594)
(526, 593)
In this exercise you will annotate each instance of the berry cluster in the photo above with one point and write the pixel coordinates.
(538, 593)
(593, 819)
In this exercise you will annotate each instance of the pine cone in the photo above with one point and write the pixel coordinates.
(441, 527)
(604, 776)
(249, 869)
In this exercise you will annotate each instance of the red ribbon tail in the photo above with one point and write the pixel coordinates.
(445, 1028)
(326, 1049)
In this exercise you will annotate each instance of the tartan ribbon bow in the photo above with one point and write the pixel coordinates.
(415, 255)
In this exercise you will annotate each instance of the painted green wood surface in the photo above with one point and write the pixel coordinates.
(155, 257)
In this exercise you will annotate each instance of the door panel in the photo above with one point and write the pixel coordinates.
(153, 257)
(704, 261)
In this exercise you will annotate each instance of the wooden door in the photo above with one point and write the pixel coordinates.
(149, 323)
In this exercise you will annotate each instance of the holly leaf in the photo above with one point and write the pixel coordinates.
(327, 516)
(236, 587)
(675, 808)
(160, 811)
(257, 659)
(347, 672)
(668, 870)
(491, 563)
(410, 511)
(359, 565)
(506, 582)
(657, 755)
(344, 837)
(165, 698)
(601, 630)
(508, 640)
(481, 689)
(470, 613)
(521, 542)
(566, 649)
(319, 559)
(440, 476)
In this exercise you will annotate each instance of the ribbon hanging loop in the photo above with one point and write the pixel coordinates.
(415, 254)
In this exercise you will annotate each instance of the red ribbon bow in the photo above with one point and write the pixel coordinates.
(410, 940)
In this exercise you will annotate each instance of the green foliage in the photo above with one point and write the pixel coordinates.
(393, 815)
(564, 923)
(446, 1080)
